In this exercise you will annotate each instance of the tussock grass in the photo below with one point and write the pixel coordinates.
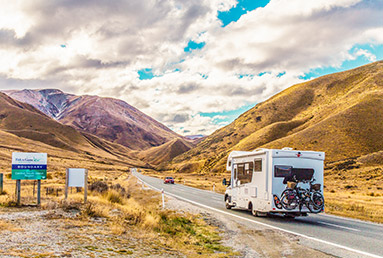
(141, 210)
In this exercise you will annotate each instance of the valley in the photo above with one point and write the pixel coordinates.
(339, 114)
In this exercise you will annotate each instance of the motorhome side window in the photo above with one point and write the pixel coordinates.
(245, 172)
(282, 171)
(257, 165)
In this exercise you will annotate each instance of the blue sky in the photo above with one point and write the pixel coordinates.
(376, 50)
(242, 7)
(195, 66)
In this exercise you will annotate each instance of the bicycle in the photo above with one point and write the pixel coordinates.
(294, 196)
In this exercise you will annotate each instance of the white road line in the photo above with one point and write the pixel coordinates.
(270, 226)
(334, 225)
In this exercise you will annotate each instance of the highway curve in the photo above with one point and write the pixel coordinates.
(331, 234)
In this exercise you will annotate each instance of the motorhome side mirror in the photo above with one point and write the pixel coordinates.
(224, 181)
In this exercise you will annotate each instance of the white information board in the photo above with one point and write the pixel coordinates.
(76, 177)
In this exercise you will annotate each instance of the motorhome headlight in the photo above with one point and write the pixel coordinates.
(277, 202)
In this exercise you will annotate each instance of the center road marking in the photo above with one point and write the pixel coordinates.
(264, 224)
(334, 225)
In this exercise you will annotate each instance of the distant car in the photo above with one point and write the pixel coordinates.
(169, 180)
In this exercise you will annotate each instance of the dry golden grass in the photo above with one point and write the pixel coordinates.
(355, 206)
(132, 211)
(355, 190)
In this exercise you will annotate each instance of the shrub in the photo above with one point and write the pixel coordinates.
(99, 186)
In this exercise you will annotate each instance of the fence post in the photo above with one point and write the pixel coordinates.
(1, 183)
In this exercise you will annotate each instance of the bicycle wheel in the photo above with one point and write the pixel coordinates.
(289, 199)
(316, 203)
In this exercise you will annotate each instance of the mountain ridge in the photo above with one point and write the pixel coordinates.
(111, 119)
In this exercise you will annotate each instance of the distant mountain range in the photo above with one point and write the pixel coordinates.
(26, 129)
(110, 119)
(340, 114)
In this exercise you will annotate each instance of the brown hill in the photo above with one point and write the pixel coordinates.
(165, 152)
(24, 128)
(340, 114)
(108, 118)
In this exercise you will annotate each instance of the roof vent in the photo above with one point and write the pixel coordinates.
(287, 148)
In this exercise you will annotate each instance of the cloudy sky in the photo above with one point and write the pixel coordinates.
(194, 65)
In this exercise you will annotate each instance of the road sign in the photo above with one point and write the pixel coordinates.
(29, 166)
(76, 177)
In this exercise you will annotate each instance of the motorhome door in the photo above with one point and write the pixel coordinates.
(234, 182)
(260, 177)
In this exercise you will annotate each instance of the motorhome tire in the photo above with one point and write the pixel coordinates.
(227, 204)
(290, 215)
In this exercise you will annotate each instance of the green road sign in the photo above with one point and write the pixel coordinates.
(29, 166)
(29, 174)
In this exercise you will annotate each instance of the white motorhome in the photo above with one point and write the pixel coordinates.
(257, 178)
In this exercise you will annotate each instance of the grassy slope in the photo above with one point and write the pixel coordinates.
(337, 113)
(165, 152)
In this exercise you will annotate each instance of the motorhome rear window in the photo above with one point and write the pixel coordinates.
(282, 171)
(303, 173)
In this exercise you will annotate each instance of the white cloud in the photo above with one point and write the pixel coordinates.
(97, 47)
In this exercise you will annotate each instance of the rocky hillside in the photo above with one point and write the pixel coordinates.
(340, 114)
(111, 119)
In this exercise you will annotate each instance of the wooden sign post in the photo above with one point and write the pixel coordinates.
(76, 177)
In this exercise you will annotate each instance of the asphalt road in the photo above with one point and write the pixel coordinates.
(331, 234)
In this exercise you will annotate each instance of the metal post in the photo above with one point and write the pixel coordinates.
(18, 186)
(66, 184)
(38, 192)
(1, 183)
(213, 187)
(163, 199)
(86, 186)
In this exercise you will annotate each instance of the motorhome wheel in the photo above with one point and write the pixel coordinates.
(227, 204)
